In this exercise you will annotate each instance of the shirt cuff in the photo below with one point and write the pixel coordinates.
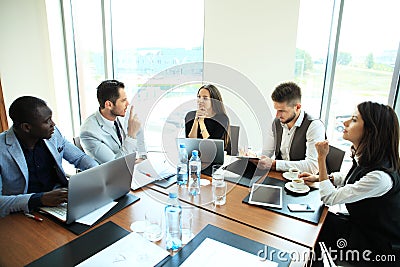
(34, 201)
(326, 187)
(279, 165)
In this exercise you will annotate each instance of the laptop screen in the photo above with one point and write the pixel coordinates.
(211, 151)
(98, 186)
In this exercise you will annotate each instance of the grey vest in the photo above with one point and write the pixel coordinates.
(298, 147)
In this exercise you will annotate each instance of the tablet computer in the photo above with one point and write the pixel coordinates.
(266, 195)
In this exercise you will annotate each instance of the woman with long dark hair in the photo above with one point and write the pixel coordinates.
(370, 190)
(209, 121)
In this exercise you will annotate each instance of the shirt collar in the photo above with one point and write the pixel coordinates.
(298, 122)
(105, 121)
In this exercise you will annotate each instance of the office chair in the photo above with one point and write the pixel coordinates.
(234, 140)
(334, 159)
(77, 143)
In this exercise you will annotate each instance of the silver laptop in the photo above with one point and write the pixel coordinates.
(95, 188)
(211, 151)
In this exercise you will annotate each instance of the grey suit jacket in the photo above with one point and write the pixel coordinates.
(14, 174)
(100, 141)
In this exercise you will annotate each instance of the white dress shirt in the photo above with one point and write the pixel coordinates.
(373, 184)
(315, 133)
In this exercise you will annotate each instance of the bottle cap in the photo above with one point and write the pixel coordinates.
(182, 146)
(173, 195)
(195, 153)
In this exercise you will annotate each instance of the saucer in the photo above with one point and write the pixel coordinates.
(290, 187)
(287, 176)
(138, 226)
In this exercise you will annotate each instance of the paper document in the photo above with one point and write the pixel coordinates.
(151, 170)
(223, 255)
(132, 250)
(92, 217)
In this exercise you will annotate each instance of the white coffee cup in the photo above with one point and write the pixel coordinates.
(298, 183)
(294, 172)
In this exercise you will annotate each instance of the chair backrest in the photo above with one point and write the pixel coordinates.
(334, 159)
(77, 143)
(235, 140)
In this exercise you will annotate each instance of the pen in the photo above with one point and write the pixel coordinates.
(145, 173)
(34, 217)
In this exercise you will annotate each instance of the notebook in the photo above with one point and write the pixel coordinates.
(211, 151)
(95, 188)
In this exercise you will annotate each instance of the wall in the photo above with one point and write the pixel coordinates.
(26, 58)
(256, 42)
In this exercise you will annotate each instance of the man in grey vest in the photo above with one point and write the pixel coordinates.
(294, 133)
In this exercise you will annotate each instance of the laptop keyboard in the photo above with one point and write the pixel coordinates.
(59, 211)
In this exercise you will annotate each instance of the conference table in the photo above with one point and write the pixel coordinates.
(24, 240)
(288, 228)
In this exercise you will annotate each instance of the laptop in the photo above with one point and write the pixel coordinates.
(94, 188)
(211, 151)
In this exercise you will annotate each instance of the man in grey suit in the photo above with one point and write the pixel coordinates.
(102, 135)
(31, 153)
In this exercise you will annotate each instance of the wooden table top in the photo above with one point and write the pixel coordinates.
(292, 229)
(24, 240)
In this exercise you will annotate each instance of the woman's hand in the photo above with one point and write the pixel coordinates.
(322, 148)
(201, 113)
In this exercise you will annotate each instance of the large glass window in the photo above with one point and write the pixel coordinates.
(311, 51)
(88, 41)
(156, 45)
(365, 61)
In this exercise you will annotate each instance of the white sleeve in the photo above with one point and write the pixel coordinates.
(373, 184)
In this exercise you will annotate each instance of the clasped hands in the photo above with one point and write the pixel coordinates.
(201, 113)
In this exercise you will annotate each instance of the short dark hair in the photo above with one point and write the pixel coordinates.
(288, 92)
(108, 90)
(23, 109)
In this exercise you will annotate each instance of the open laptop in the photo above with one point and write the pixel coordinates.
(94, 188)
(211, 151)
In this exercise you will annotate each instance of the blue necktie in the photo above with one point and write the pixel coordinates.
(118, 131)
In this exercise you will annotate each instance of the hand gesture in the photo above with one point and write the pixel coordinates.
(55, 197)
(133, 124)
(201, 113)
(322, 148)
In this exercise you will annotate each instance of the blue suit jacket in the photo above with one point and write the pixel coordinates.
(14, 174)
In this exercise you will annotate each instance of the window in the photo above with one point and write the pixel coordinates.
(365, 59)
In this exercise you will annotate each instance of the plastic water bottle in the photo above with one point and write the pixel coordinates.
(182, 166)
(194, 170)
(173, 217)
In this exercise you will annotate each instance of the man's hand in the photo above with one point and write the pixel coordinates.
(55, 197)
(133, 124)
(308, 177)
(264, 163)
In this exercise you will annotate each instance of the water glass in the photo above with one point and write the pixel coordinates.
(153, 229)
(217, 172)
(187, 222)
(219, 192)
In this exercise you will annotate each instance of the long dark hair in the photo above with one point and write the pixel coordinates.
(218, 107)
(379, 145)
